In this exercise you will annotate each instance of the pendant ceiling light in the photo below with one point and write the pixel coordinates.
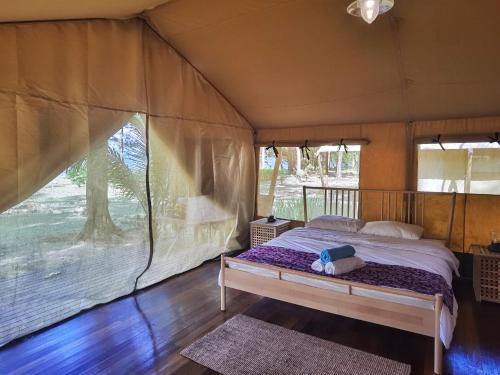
(369, 9)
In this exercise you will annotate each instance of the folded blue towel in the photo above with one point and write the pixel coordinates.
(336, 253)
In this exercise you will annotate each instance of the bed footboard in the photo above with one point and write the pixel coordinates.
(415, 319)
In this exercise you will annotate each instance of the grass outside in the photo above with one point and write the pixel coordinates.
(46, 274)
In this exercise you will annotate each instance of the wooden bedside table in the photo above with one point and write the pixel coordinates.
(486, 274)
(261, 231)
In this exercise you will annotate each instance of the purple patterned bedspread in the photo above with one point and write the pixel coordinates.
(391, 276)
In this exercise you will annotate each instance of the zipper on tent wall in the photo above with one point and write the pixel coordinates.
(150, 212)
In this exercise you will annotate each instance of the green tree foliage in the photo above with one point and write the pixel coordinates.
(77, 173)
(128, 176)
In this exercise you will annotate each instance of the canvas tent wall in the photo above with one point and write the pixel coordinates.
(167, 144)
(307, 70)
(179, 170)
(307, 62)
(387, 162)
(295, 63)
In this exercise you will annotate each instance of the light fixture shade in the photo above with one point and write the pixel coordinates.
(369, 9)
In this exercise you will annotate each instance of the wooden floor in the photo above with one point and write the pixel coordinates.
(144, 333)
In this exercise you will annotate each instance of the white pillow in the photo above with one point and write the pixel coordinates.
(393, 229)
(332, 222)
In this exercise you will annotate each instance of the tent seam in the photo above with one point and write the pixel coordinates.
(403, 81)
(164, 40)
(140, 17)
(90, 105)
(148, 167)
(222, 21)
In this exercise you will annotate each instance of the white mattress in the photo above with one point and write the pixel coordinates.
(429, 255)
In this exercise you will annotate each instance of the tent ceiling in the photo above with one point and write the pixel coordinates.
(30, 10)
(306, 62)
(286, 63)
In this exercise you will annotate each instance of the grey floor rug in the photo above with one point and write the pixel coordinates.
(244, 346)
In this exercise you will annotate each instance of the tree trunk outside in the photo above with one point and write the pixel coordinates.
(274, 177)
(339, 163)
(324, 182)
(468, 172)
(327, 163)
(99, 225)
(292, 160)
(298, 160)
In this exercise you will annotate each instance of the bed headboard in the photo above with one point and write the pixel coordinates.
(433, 211)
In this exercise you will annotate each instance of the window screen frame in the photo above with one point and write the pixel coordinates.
(351, 142)
(471, 138)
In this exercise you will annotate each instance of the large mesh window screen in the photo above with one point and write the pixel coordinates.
(195, 207)
(83, 238)
(79, 241)
(462, 168)
(281, 177)
(90, 112)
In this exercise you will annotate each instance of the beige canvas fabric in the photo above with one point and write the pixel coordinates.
(307, 62)
(70, 92)
(388, 162)
(295, 63)
(457, 127)
(29, 10)
(204, 169)
(66, 85)
(297, 70)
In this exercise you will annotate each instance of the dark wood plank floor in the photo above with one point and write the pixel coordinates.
(144, 333)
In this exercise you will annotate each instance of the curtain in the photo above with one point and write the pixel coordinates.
(87, 110)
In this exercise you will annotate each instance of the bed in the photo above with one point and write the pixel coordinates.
(426, 307)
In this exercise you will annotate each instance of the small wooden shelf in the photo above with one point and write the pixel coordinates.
(486, 274)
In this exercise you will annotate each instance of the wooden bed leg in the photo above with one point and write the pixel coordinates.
(438, 346)
(222, 282)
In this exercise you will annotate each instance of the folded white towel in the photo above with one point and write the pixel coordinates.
(344, 265)
(329, 268)
(318, 266)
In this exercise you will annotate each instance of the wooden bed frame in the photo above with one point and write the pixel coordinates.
(406, 206)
